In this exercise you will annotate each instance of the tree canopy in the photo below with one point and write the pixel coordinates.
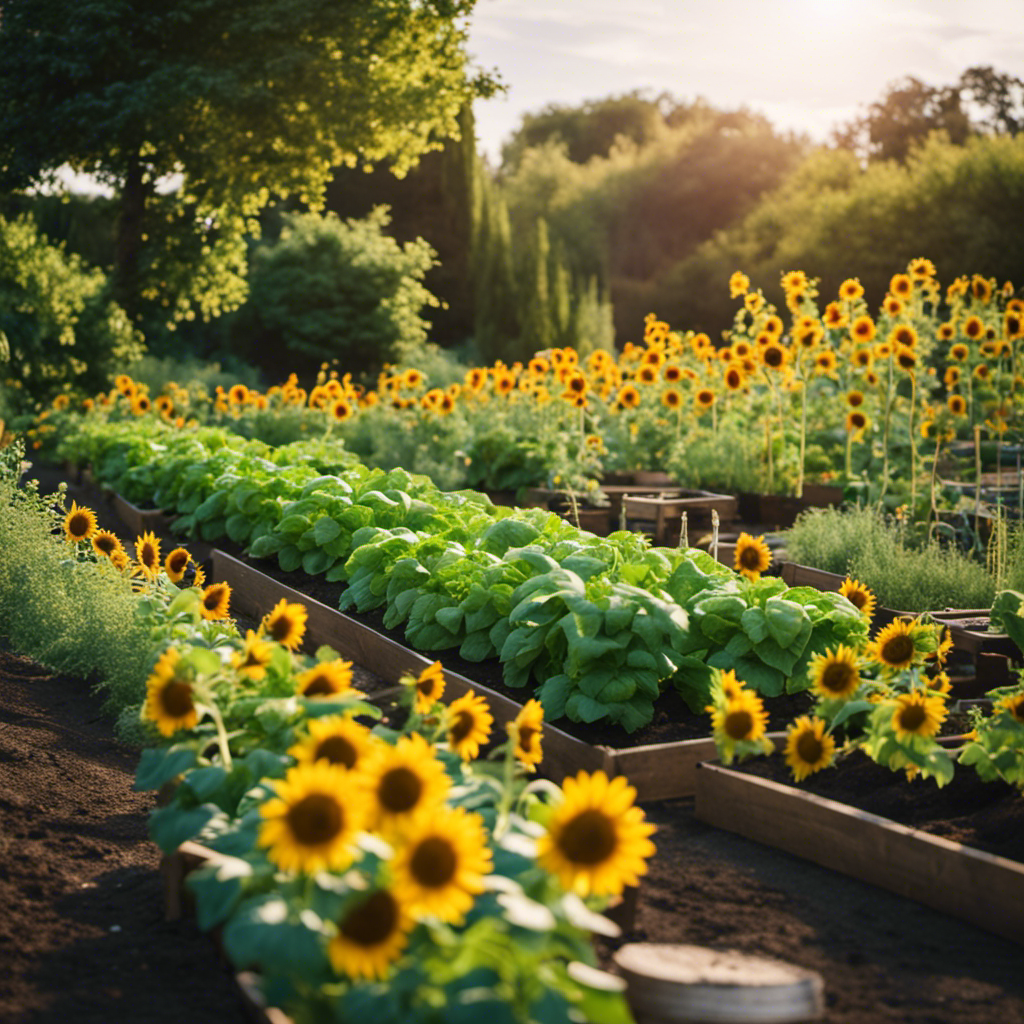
(235, 103)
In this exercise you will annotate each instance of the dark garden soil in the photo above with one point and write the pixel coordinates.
(83, 937)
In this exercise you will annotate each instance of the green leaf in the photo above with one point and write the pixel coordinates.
(553, 695)
(325, 530)
(785, 621)
(170, 826)
(477, 646)
(205, 782)
(755, 624)
(289, 558)
(161, 764)
(218, 889)
(581, 708)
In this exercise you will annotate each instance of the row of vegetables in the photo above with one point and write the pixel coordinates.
(599, 626)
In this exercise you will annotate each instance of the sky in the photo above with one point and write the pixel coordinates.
(807, 65)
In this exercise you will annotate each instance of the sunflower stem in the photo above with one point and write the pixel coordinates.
(222, 736)
(508, 780)
(803, 439)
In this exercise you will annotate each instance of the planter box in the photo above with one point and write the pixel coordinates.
(140, 520)
(662, 515)
(781, 510)
(986, 890)
(658, 771)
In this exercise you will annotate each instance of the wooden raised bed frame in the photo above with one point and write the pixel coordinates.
(986, 890)
(658, 771)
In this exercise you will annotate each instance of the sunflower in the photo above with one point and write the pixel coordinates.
(147, 554)
(863, 330)
(238, 394)
(835, 673)
(851, 289)
(673, 374)
(429, 686)
(253, 659)
(1014, 704)
(1013, 325)
(894, 645)
(403, 780)
(893, 305)
(411, 378)
(742, 720)
(705, 398)
(773, 356)
(739, 284)
(597, 840)
(859, 596)
(176, 563)
(647, 374)
(946, 332)
(981, 289)
(906, 358)
(105, 543)
(951, 377)
(957, 405)
(730, 685)
(79, 523)
(672, 398)
(214, 602)
(982, 371)
(169, 704)
(527, 733)
(372, 932)
(733, 378)
(629, 397)
(901, 285)
(753, 302)
(752, 556)
(863, 358)
(140, 405)
(921, 268)
(336, 739)
(286, 623)
(904, 334)
(834, 316)
(341, 410)
(469, 725)
(973, 327)
(312, 820)
(808, 747)
(917, 714)
(441, 863)
(325, 679)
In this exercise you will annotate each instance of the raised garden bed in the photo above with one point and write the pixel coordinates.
(781, 510)
(968, 630)
(658, 770)
(926, 855)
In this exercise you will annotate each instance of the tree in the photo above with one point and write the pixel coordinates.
(983, 101)
(232, 102)
(57, 328)
(331, 289)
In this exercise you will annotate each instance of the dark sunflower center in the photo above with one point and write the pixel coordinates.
(319, 686)
(462, 726)
(739, 724)
(897, 649)
(858, 421)
(105, 543)
(1017, 709)
(253, 659)
(750, 558)
(809, 748)
(337, 750)
(912, 717)
(428, 686)
(176, 698)
(588, 838)
(400, 790)
(373, 921)
(177, 562)
(434, 862)
(78, 525)
(526, 738)
(280, 628)
(837, 677)
(773, 357)
(212, 600)
(315, 819)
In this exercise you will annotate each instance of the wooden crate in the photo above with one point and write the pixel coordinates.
(978, 887)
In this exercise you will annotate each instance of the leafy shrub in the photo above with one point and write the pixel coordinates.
(57, 325)
(907, 576)
(331, 289)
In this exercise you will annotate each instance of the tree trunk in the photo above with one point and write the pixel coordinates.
(128, 242)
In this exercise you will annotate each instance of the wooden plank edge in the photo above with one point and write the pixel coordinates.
(254, 1001)
(978, 887)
